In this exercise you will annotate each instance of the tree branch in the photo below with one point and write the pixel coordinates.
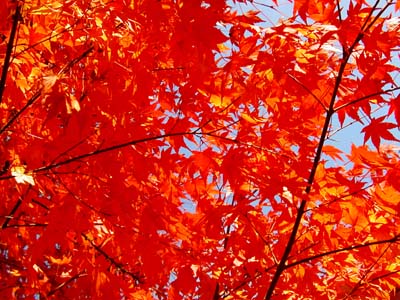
(308, 90)
(60, 286)
(14, 117)
(303, 205)
(11, 214)
(138, 279)
(349, 248)
(366, 272)
(15, 208)
(64, 70)
(366, 98)
(104, 150)
(10, 45)
(339, 10)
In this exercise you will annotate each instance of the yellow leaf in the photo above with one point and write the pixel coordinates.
(35, 74)
(99, 22)
(388, 198)
(379, 220)
(49, 81)
(60, 261)
(222, 47)
(300, 272)
(219, 100)
(302, 56)
(75, 103)
(101, 279)
(249, 119)
(203, 92)
(20, 176)
(269, 74)
(15, 272)
(47, 9)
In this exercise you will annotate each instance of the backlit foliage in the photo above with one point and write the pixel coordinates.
(188, 149)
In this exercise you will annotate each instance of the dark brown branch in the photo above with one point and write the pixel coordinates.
(14, 209)
(65, 152)
(384, 275)
(14, 117)
(342, 197)
(303, 205)
(12, 263)
(60, 286)
(64, 70)
(51, 36)
(250, 279)
(360, 281)
(100, 151)
(11, 214)
(221, 111)
(10, 46)
(366, 98)
(135, 142)
(237, 141)
(216, 292)
(217, 295)
(266, 243)
(349, 248)
(366, 26)
(40, 204)
(339, 10)
(28, 225)
(77, 59)
(168, 69)
(224, 127)
(138, 279)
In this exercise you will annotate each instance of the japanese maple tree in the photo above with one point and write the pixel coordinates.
(189, 149)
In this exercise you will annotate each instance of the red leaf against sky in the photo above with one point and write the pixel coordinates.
(377, 130)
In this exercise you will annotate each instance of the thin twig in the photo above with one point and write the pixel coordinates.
(60, 286)
(80, 200)
(138, 279)
(30, 102)
(104, 150)
(15, 116)
(349, 248)
(266, 243)
(360, 281)
(366, 98)
(308, 90)
(14, 209)
(28, 225)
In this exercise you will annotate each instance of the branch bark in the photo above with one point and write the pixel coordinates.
(303, 205)
(10, 46)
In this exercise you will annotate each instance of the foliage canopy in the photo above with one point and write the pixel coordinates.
(188, 149)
